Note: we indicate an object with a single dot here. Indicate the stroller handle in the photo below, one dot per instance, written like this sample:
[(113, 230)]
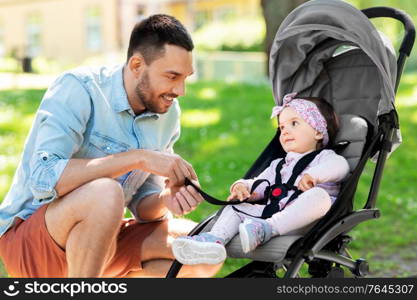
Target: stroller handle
[(389, 12)]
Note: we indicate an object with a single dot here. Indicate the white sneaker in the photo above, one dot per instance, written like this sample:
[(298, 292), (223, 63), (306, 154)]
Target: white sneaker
[(199, 249)]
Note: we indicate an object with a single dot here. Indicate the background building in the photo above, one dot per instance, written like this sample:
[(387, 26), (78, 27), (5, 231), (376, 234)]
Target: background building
[(71, 31)]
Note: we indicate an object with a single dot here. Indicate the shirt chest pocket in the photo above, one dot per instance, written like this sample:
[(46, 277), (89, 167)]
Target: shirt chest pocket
[(102, 145)]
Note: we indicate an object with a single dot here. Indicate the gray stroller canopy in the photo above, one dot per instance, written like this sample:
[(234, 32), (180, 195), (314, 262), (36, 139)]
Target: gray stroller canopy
[(303, 59)]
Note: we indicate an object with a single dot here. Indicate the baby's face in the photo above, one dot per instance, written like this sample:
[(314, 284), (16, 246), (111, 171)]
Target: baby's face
[(296, 134)]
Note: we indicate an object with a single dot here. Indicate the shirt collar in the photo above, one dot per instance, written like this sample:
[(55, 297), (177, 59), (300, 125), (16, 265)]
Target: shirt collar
[(291, 156), (149, 114), (119, 101)]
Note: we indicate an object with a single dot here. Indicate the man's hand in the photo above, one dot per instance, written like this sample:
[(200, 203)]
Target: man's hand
[(167, 165), (307, 182), (241, 192), (182, 200)]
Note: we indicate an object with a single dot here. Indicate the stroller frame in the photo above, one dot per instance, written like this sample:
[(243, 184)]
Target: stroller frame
[(325, 244)]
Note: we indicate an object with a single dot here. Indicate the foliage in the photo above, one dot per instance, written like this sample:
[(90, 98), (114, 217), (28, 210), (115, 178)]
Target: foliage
[(231, 35)]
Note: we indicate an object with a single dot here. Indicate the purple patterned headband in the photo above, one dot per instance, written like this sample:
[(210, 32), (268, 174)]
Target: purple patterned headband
[(308, 111)]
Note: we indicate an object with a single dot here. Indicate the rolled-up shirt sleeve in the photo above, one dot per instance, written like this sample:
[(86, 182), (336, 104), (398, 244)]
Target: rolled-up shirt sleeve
[(61, 121), (45, 172)]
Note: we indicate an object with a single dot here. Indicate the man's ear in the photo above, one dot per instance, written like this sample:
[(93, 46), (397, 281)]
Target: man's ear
[(135, 64)]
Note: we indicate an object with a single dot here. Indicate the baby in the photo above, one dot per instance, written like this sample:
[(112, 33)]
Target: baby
[(298, 189)]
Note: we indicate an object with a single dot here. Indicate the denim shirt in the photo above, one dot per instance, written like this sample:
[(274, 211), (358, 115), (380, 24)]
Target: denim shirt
[(86, 114)]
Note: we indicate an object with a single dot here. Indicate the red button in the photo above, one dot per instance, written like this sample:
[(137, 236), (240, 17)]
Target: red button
[(276, 192)]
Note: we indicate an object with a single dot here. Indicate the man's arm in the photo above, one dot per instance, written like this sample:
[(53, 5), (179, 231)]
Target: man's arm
[(80, 171), (61, 122)]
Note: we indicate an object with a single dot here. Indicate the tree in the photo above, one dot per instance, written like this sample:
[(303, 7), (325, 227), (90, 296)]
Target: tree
[(274, 12)]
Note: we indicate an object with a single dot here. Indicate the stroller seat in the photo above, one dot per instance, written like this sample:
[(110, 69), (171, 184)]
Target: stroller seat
[(273, 251), (354, 130)]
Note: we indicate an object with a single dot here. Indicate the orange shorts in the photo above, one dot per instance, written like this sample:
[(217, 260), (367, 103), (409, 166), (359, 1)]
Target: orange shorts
[(28, 250)]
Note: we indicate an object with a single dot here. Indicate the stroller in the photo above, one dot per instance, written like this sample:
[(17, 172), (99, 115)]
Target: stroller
[(329, 49)]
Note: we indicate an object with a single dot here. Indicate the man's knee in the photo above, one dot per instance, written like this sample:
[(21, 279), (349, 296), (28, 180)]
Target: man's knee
[(99, 204), (106, 196), (106, 187)]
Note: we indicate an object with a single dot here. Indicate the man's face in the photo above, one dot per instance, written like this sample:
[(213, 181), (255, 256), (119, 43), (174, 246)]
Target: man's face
[(164, 79)]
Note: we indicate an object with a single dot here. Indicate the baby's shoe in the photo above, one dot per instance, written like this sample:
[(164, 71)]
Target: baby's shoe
[(203, 248), (254, 232)]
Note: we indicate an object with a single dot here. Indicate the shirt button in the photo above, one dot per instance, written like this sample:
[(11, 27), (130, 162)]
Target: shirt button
[(107, 148)]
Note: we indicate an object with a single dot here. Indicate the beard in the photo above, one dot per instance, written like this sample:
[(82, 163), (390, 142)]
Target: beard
[(147, 97), (144, 92)]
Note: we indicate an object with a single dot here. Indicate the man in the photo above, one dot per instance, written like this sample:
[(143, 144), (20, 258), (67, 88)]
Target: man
[(103, 140)]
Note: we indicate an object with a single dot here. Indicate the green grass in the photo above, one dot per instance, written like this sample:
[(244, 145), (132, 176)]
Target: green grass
[(225, 127)]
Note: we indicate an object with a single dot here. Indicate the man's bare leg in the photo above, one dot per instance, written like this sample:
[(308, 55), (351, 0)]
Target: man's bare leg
[(85, 223), (157, 254)]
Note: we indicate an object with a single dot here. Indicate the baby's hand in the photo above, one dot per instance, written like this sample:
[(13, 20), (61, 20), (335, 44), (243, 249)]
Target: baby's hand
[(239, 191), (307, 182)]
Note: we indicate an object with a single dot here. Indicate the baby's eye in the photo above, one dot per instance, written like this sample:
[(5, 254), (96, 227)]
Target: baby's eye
[(293, 123)]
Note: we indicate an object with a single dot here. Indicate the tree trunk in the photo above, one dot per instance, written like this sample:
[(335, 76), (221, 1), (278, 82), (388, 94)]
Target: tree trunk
[(274, 12)]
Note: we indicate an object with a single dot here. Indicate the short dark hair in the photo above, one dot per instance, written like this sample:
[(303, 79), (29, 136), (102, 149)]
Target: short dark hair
[(327, 111), (150, 35)]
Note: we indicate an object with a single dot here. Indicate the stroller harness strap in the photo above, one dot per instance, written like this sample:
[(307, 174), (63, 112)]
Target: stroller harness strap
[(278, 191), (215, 201), (275, 192)]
